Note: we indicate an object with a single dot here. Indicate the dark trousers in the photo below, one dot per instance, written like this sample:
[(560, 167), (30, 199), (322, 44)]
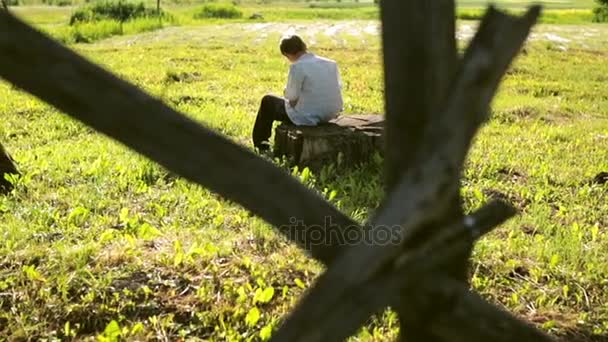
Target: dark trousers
[(272, 109)]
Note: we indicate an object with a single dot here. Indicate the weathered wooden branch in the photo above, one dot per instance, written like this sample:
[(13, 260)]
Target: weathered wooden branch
[(416, 280), (7, 167), (122, 111), (365, 299), (448, 140), (420, 61), (466, 317), (423, 194)]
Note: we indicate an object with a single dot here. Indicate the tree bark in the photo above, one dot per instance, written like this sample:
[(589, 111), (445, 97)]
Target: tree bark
[(345, 141), (7, 167)]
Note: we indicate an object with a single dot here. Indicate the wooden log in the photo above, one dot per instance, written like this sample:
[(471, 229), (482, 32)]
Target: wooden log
[(346, 140)]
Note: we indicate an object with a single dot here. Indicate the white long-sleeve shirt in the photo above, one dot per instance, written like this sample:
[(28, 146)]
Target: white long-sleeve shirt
[(314, 84)]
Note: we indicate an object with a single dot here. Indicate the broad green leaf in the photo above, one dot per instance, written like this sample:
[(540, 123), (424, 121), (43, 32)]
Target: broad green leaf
[(112, 331), (300, 283), (266, 332), (253, 316), (264, 296)]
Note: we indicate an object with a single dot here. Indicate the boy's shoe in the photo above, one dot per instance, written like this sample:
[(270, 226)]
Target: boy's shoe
[(264, 150), (263, 147)]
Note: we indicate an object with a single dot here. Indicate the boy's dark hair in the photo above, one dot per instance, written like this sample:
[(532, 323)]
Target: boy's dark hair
[(292, 45)]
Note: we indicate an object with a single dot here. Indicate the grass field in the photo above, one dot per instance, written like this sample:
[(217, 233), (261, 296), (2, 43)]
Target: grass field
[(98, 243), (551, 4), (53, 19)]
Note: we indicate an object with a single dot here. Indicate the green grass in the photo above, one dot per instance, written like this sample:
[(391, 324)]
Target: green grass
[(97, 241), (44, 15), (518, 4), (549, 16)]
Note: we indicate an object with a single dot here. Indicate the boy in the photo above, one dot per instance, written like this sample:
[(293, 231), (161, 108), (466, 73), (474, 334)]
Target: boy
[(313, 94)]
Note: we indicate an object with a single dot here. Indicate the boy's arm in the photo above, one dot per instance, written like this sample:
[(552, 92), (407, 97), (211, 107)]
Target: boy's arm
[(339, 77), (294, 84), (341, 87)]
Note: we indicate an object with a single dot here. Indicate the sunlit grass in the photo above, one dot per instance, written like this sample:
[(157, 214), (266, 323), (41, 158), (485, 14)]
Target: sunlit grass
[(97, 241)]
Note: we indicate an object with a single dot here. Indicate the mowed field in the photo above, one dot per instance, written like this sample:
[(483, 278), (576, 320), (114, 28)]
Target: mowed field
[(97, 243)]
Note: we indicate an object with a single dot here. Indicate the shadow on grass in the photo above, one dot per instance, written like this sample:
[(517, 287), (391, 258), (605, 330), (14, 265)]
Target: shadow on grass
[(582, 335)]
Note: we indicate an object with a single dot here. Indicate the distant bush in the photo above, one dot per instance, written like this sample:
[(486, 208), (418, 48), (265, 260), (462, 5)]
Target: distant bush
[(600, 12), (94, 31), (90, 32), (223, 11), (112, 10)]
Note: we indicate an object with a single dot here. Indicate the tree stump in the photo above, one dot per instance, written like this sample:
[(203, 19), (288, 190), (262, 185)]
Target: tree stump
[(346, 140)]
